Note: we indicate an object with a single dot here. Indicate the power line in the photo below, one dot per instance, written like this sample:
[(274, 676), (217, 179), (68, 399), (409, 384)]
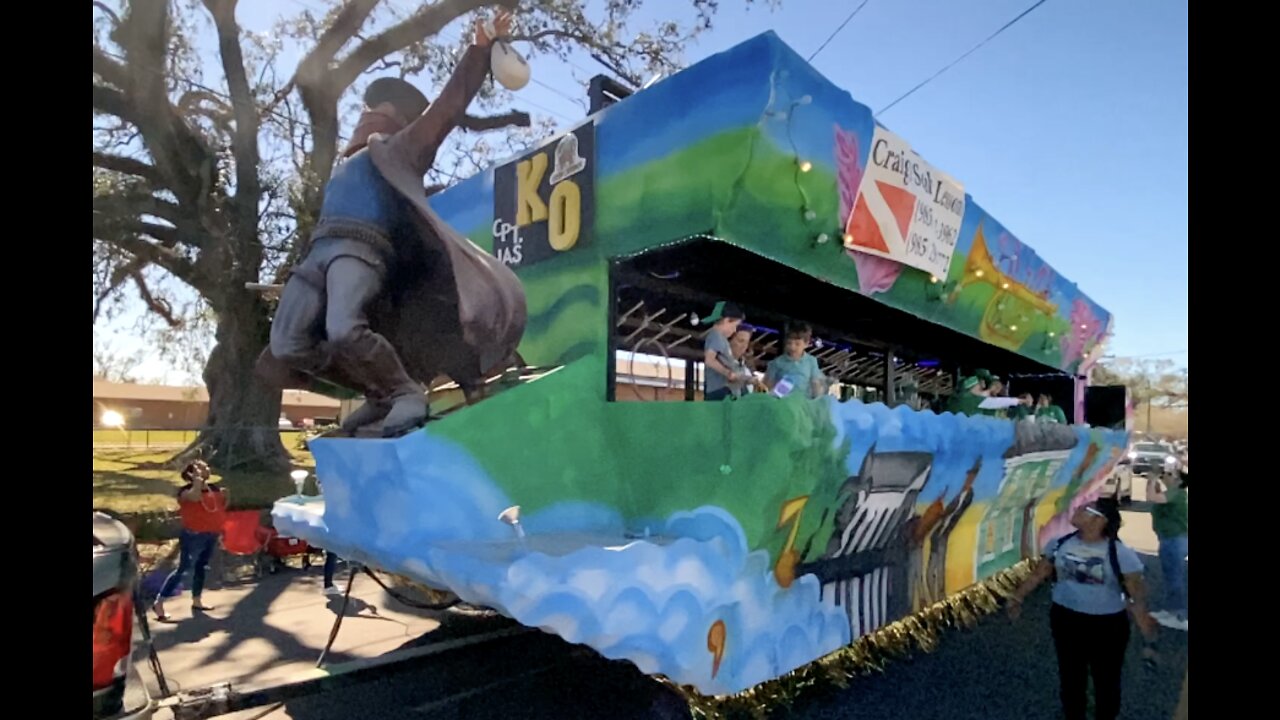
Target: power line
[(838, 29), (957, 61)]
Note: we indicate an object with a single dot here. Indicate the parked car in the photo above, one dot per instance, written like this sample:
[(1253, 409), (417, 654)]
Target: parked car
[(1151, 457), (118, 690)]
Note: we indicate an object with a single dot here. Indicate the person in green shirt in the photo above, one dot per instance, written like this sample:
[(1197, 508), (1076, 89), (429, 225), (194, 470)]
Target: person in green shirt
[(1169, 519), (1024, 408), (1046, 411), (966, 399), (995, 388)]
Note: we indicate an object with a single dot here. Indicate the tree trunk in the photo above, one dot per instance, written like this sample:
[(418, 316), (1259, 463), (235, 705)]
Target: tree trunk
[(242, 430)]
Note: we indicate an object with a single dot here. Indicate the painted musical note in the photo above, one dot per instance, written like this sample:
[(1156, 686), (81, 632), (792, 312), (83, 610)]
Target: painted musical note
[(716, 637), (784, 571)]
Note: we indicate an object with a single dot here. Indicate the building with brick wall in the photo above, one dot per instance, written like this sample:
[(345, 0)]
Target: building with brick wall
[(166, 407)]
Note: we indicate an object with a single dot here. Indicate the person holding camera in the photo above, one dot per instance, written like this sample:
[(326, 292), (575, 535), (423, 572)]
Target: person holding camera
[(202, 505)]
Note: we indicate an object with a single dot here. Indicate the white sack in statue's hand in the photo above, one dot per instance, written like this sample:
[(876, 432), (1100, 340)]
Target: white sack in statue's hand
[(509, 67)]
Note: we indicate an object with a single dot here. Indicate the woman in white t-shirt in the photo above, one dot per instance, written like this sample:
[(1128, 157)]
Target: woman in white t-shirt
[(1097, 587)]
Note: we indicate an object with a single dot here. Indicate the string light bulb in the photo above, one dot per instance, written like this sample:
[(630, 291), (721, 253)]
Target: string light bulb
[(1014, 328), (848, 239), (1004, 286), (979, 273), (934, 279), (810, 215), (805, 166), (822, 238)]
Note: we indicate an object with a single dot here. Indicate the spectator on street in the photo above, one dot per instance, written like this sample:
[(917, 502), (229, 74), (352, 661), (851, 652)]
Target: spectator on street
[(202, 506), (1097, 586), (330, 566), (1169, 518), (330, 560)]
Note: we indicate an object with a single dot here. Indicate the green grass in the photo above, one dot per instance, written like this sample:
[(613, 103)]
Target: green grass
[(134, 481)]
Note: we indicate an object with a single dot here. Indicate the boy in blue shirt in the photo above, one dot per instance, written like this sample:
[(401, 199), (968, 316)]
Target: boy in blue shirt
[(796, 365)]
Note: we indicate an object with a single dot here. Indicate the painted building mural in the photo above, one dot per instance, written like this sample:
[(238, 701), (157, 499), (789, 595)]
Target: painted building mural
[(722, 544)]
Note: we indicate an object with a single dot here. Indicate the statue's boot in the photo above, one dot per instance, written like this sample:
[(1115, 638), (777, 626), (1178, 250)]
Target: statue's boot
[(373, 364)]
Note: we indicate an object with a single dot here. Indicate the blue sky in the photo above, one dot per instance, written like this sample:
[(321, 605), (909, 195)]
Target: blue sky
[(1070, 127)]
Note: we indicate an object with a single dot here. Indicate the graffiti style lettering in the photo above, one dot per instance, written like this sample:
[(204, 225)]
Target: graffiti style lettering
[(566, 216), (529, 206), (543, 202)]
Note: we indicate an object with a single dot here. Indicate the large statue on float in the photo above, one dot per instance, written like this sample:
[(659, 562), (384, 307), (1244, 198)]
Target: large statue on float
[(388, 295)]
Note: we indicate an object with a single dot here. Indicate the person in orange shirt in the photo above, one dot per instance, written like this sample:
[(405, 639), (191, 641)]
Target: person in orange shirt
[(203, 508)]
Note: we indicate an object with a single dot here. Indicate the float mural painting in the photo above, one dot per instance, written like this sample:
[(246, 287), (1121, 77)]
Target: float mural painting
[(803, 526), (719, 544), (780, 163)]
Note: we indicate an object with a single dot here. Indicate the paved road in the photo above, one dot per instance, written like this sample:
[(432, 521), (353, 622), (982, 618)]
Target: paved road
[(998, 670)]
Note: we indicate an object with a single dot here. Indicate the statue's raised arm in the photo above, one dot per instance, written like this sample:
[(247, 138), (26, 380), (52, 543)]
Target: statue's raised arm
[(419, 142)]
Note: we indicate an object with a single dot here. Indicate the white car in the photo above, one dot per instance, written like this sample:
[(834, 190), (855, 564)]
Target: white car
[(1120, 484)]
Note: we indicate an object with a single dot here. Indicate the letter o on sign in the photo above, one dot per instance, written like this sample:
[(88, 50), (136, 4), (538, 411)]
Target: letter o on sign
[(565, 223)]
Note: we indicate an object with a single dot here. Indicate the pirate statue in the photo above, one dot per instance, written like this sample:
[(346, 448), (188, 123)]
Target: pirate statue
[(389, 295)]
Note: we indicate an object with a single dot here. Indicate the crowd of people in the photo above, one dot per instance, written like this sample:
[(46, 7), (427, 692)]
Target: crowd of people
[(729, 373)]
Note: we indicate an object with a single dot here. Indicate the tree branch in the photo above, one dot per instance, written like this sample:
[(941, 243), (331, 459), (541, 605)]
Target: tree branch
[(244, 141), (127, 166), (115, 19), (156, 305), (564, 34), (152, 253), (494, 122), (117, 278), (113, 102), (314, 67), (130, 208), (426, 22), (178, 153), (108, 69)]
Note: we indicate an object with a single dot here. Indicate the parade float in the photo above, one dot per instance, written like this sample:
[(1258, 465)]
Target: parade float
[(767, 540)]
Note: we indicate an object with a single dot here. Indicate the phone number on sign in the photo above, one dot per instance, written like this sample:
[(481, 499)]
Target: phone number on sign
[(920, 246)]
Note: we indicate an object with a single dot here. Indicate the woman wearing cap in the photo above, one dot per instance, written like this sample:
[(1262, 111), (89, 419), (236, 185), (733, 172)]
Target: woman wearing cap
[(1097, 587)]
